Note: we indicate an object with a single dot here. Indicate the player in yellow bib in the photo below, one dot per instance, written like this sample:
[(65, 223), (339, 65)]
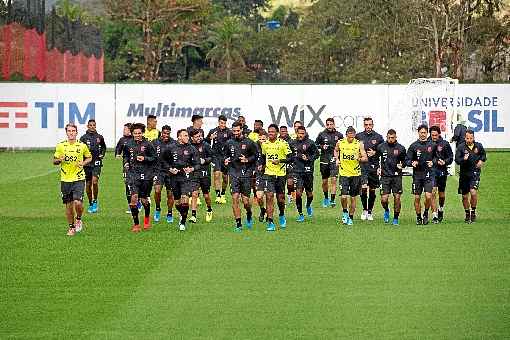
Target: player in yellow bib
[(72, 155), (276, 153), (349, 152), (151, 132)]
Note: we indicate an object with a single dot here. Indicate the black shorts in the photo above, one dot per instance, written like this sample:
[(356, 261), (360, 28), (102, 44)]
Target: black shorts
[(350, 186), (260, 183), (440, 178), (422, 185), (202, 183), (466, 183), (218, 164), (391, 184), (370, 178), (240, 185), (72, 191), (92, 171), (140, 187), (159, 177), (182, 186), (328, 170), (275, 184), (303, 181)]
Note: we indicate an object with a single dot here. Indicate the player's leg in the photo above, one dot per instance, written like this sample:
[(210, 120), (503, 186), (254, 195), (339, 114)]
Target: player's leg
[(433, 204), (270, 210), (245, 195), (217, 175), (158, 188), (88, 188), (440, 209), (205, 186), (332, 189), (194, 205), (290, 188), (428, 200), (145, 193), (417, 191), (298, 184), (345, 199), (280, 197), (95, 187), (134, 207), (474, 202), (235, 208), (364, 194), (184, 209), (373, 184), (324, 169), (308, 186), (224, 185), (385, 193), (354, 191), (397, 206), (78, 188)]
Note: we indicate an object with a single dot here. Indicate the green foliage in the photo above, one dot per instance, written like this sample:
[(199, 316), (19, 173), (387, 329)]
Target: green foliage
[(244, 8), (74, 12)]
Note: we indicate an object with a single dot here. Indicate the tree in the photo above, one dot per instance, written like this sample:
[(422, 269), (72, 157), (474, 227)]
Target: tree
[(226, 39), (72, 12), (243, 8)]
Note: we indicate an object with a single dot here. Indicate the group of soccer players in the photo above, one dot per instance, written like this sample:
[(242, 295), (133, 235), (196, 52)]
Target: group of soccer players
[(266, 162)]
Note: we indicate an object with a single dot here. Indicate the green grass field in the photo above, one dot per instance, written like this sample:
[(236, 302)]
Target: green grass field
[(315, 280)]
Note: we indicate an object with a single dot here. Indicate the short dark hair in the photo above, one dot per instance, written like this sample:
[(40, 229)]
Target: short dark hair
[(166, 127), (259, 121), (330, 119), (241, 116), (72, 125), (423, 126), (299, 128), (367, 118), (151, 117), (350, 129), (128, 125), (136, 126), (237, 124), (195, 117), (297, 122), (471, 132), (284, 127), (223, 118), (435, 128), (194, 132), (274, 126), (91, 121), (392, 132), (180, 131)]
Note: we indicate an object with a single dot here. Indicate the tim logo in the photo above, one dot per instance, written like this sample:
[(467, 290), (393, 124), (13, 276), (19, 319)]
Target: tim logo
[(16, 110)]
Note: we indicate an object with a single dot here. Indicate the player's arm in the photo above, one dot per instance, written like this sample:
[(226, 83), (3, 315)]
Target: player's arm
[(402, 158), (410, 156), (207, 154), (103, 148), (482, 156), (288, 154), (449, 154), (195, 159), (252, 158), (150, 154), (87, 156), (459, 155), (362, 152), (58, 156), (336, 153), (314, 152)]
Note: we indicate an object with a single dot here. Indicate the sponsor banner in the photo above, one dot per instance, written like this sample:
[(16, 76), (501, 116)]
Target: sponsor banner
[(34, 115), (174, 105)]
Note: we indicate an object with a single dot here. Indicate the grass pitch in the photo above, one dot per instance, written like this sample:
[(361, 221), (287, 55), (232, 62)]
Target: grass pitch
[(314, 280)]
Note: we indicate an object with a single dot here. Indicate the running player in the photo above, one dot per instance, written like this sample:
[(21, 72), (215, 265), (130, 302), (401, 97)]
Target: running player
[(276, 154), (72, 156), (349, 153), (244, 128), (151, 132), (119, 154), (217, 138), (182, 159), (284, 135), (160, 173), (201, 177), (196, 124), (420, 156), (97, 147), (257, 126), (296, 124), (326, 142), (139, 155), (443, 157), (240, 158), (370, 179), (304, 154), (471, 157), (392, 160)]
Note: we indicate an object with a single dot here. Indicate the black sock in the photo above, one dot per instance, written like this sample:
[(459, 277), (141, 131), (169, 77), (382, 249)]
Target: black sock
[(281, 207), (345, 211), (326, 195), (269, 220), (223, 192), (396, 214), (90, 202), (262, 211), (385, 206), (473, 209), (209, 209), (169, 213), (426, 212), (184, 212), (147, 209), (71, 225), (467, 211), (128, 194), (309, 200), (134, 213), (371, 200), (158, 206), (248, 214), (351, 216), (194, 213), (78, 218), (238, 222), (333, 196), (299, 204), (217, 193), (418, 215), (364, 199), (94, 201)]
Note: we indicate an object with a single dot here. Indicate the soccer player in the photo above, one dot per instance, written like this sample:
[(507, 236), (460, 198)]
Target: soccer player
[(240, 158), (284, 135), (196, 124), (471, 157), (139, 155), (349, 153), (217, 138), (276, 154), (72, 156), (326, 142), (420, 156), (392, 157), (119, 154), (151, 132), (244, 128), (443, 157), (161, 172), (304, 154), (369, 179), (182, 159), (97, 147), (260, 184), (202, 177), (257, 126), (296, 124)]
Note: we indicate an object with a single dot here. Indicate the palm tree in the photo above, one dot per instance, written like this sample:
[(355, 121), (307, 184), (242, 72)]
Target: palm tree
[(226, 39)]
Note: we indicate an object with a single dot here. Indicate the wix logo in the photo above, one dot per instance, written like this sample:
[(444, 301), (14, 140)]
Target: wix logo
[(291, 115)]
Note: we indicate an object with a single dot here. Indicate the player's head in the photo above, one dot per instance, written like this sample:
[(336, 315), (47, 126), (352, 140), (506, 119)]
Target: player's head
[(71, 131), (258, 124), (165, 133), (91, 125), (237, 130), (272, 132), (182, 136), (152, 122), (301, 133), (469, 137), (137, 131), (242, 120), (435, 133), (391, 136), (350, 133), (127, 130), (423, 132), (330, 124), (196, 136), (197, 121), (297, 123), (262, 135), (284, 132), (368, 124), (222, 122)]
